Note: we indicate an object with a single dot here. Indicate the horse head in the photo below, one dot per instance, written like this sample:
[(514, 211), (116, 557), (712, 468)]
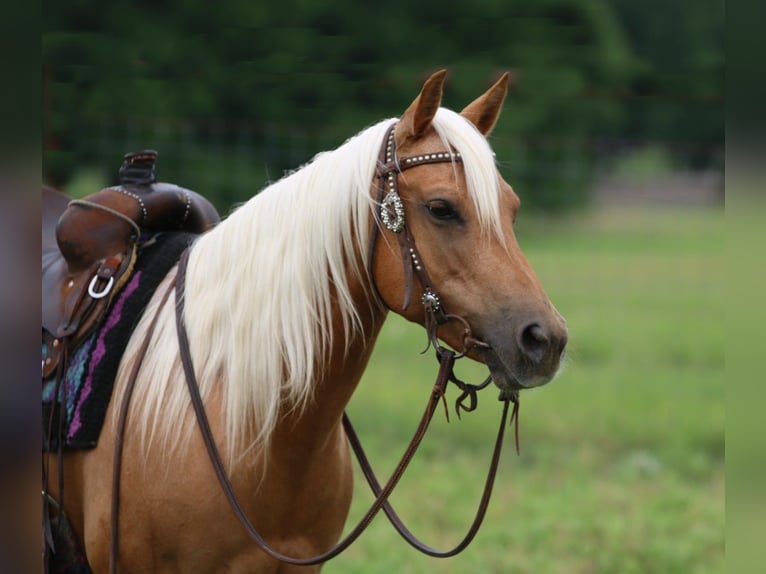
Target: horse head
[(460, 214)]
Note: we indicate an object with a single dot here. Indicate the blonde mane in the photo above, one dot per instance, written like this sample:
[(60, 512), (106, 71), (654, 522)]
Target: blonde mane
[(262, 288)]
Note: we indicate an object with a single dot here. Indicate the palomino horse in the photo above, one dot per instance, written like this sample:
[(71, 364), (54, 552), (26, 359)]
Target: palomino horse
[(283, 302)]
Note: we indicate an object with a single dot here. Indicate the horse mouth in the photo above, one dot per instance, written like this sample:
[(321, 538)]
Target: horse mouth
[(504, 376)]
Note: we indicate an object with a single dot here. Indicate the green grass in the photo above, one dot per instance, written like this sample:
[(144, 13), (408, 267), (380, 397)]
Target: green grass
[(622, 456)]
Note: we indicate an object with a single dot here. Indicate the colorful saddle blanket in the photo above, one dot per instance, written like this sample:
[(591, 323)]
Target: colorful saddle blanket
[(83, 394)]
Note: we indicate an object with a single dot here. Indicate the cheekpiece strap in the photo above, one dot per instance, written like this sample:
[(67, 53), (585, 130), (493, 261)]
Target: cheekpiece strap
[(393, 218)]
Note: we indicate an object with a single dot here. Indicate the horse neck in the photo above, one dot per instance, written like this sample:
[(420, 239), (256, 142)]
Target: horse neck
[(338, 379)]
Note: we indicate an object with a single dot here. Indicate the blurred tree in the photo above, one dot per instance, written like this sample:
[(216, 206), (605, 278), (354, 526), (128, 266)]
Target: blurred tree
[(678, 88), (327, 70)]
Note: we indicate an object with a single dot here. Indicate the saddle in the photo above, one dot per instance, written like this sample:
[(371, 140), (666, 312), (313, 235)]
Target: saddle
[(89, 246)]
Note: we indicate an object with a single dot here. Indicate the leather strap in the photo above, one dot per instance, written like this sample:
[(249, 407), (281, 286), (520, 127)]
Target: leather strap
[(393, 517), (387, 172)]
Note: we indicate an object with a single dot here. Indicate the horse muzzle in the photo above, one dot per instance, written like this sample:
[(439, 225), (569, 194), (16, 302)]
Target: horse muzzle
[(529, 356)]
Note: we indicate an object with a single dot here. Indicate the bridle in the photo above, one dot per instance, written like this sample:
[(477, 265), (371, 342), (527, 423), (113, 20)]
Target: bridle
[(392, 217)]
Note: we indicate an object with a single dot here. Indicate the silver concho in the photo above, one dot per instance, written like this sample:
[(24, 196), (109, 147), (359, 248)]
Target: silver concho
[(392, 212), (431, 301)]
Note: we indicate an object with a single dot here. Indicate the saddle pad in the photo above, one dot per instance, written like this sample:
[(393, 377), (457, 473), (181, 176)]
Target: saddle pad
[(86, 388)]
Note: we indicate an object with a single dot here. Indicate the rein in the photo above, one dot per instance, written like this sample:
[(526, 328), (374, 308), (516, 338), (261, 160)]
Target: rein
[(392, 216)]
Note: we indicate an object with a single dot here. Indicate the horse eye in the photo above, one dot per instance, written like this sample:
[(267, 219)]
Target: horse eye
[(441, 209)]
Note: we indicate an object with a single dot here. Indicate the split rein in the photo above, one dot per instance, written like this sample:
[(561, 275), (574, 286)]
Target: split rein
[(392, 215)]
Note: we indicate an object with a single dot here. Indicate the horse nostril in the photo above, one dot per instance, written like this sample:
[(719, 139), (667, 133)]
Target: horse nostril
[(534, 342)]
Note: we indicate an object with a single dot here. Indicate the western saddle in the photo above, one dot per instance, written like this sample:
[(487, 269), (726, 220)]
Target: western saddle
[(89, 246)]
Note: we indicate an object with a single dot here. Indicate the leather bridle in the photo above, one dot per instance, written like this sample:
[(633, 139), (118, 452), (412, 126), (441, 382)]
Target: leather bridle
[(392, 217)]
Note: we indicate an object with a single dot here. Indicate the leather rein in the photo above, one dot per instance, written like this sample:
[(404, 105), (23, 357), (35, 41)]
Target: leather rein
[(392, 216)]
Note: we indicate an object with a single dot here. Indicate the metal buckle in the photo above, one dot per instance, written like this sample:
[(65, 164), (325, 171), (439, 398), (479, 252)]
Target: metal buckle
[(104, 292)]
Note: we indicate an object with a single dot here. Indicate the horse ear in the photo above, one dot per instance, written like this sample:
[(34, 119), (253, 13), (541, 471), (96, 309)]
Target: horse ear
[(418, 116), (484, 110)]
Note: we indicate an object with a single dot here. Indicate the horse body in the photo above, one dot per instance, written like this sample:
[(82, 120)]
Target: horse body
[(252, 293)]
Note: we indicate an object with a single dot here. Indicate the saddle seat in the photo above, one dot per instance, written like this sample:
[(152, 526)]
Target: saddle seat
[(89, 246)]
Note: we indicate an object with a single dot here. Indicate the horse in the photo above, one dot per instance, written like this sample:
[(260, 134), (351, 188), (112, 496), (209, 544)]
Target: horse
[(283, 301)]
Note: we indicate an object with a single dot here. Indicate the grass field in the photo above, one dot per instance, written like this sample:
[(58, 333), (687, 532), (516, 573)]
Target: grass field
[(622, 457)]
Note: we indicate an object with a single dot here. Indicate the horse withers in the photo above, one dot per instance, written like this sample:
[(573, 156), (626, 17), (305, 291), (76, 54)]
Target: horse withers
[(283, 301)]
